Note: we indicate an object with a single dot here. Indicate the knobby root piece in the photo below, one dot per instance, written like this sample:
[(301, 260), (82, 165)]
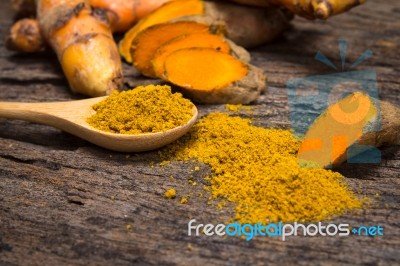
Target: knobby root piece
[(311, 9), (83, 43), (123, 14), (239, 22), (204, 40), (25, 36), (150, 39), (166, 12), (389, 133), (357, 121), (210, 76)]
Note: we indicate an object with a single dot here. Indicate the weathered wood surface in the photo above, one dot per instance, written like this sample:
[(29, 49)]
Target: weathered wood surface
[(57, 192)]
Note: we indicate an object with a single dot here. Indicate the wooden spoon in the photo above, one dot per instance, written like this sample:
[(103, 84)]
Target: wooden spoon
[(71, 117)]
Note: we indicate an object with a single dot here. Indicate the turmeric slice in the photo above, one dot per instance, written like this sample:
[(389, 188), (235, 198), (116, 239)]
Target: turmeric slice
[(166, 12), (311, 9), (205, 40), (210, 76), (237, 21), (123, 14), (83, 43), (203, 69), (149, 40)]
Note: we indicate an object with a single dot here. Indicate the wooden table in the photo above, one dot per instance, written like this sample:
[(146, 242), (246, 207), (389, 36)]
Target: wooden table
[(66, 201)]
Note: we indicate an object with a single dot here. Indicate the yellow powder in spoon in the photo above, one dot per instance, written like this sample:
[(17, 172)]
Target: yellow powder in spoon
[(146, 109)]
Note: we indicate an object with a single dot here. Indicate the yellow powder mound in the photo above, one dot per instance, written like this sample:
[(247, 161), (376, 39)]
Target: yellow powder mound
[(257, 169), (170, 193), (238, 107), (141, 110)]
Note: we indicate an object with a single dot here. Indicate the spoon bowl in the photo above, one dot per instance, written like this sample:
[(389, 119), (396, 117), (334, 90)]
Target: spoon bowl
[(71, 117)]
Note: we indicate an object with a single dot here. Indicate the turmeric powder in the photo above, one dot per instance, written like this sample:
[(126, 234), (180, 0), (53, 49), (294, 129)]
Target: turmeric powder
[(170, 193), (257, 170), (141, 110), (239, 107)]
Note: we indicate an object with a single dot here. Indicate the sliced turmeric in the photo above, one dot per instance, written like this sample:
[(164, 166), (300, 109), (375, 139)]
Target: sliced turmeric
[(310, 9), (166, 12), (149, 40), (205, 40), (83, 43), (123, 14), (210, 76), (244, 25)]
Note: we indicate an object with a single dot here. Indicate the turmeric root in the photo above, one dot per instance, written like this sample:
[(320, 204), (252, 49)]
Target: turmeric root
[(166, 12), (204, 40), (354, 120), (83, 43), (123, 14), (25, 36), (311, 9), (239, 21), (149, 40), (271, 22), (210, 76)]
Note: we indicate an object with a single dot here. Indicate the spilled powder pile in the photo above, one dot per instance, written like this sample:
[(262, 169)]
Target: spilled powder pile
[(238, 107), (170, 193), (257, 170), (141, 110)]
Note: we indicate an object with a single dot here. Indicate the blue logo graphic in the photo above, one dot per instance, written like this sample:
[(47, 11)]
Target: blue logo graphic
[(309, 97)]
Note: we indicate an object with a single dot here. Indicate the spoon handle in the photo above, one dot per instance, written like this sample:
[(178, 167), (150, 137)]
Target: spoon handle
[(43, 113), (50, 113)]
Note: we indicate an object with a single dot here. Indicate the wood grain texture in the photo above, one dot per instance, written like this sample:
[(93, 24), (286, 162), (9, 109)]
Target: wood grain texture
[(64, 201)]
